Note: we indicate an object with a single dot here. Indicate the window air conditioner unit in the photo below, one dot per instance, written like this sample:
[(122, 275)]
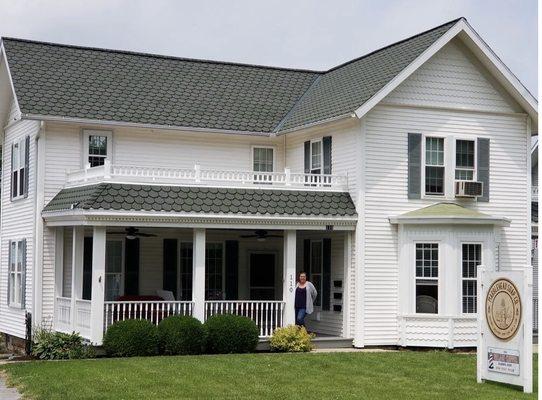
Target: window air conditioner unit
[(468, 188)]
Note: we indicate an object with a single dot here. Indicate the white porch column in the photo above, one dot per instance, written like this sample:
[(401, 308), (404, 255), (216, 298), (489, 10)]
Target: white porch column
[(78, 238), (198, 274), (289, 279), (59, 261), (98, 285)]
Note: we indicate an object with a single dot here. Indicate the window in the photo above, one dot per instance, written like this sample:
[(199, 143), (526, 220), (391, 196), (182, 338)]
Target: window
[(316, 268), (470, 259), (316, 157), (434, 166), (262, 160), (214, 275), (427, 261), (186, 271), (19, 165), (17, 272), (97, 147), (464, 160), (113, 270)]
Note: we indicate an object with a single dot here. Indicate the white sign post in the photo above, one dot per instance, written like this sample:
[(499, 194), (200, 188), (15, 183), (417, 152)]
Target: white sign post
[(505, 336)]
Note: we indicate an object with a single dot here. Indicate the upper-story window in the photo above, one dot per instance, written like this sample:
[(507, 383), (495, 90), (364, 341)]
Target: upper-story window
[(316, 157), (262, 159), (19, 168), (97, 147), (434, 166), (465, 160)]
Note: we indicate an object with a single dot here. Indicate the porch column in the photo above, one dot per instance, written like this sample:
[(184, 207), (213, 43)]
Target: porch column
[(198, 274), (98, 285), (78, 240), (59, 261), (289, 281)]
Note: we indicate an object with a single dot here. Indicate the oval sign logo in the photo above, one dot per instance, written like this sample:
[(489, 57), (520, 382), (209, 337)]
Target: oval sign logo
[(503, 309)]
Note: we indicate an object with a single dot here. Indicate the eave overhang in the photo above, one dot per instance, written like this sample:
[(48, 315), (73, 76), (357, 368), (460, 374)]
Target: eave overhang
[(449, 220)]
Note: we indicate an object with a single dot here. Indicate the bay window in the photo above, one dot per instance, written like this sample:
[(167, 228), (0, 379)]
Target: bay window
[(427, 266), (471, 257)]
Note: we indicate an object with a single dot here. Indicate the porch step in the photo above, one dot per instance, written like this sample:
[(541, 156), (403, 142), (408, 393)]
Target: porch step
[(320, 342)]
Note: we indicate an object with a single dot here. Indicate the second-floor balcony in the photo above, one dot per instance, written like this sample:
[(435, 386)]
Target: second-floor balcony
[(198, 176)]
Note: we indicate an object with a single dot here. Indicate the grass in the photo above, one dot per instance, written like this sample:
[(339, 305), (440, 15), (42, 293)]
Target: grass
[(389, 375)]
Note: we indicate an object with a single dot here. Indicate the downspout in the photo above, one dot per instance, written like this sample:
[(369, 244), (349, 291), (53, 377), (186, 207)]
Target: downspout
[(37, 300)]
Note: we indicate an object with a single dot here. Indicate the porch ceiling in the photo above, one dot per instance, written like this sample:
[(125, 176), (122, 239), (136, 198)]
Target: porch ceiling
[(125, 199)]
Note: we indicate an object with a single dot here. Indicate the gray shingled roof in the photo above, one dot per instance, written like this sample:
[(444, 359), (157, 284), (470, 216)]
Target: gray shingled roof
[(206, 200), (108, 85)]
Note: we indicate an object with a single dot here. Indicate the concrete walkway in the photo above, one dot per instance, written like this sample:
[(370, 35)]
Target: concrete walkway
[(7, 393)]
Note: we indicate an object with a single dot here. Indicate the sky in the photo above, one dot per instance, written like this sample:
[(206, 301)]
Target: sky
[(307, 34)]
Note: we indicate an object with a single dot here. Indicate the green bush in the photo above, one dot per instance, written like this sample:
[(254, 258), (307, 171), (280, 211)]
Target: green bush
[(291, 338), (132, 337), (231, 334), (181, 335), (50, 345)]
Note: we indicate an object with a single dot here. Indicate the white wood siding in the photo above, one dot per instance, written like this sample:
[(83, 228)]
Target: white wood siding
[(17, 222)]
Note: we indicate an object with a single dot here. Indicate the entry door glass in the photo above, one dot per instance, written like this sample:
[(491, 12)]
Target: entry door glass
[(262, 276), (113, 270)]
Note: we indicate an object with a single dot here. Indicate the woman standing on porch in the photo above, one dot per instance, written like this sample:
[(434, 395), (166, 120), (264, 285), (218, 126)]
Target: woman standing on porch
[(305, 294)]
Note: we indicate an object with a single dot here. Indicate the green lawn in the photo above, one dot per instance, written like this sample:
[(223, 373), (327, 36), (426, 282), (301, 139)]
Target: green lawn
[(390, 375)]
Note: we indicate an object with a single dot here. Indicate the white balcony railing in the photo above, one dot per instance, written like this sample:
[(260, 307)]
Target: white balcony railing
[(205, 176)]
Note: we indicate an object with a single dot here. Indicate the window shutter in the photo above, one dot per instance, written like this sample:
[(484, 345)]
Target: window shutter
[(307, 147), (87, 268), (307, 257), (326, 144), (414, 165), (23, 277), (483, 167), (326, 273), (26, 165), (9, 269), (232, 269), (131, 280), (13, 182), (169, 275)]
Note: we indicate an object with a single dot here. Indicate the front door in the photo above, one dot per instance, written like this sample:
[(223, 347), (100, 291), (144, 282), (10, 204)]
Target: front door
[(262, 276)]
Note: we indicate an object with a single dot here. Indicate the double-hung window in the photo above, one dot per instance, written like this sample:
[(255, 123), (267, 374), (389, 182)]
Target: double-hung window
[(17, 272), (465, 160), (434, 166), (316, 267), (316, 157), (471, 257), (427, 265), (114, 276), (262, 161), (97, 147), (19, 166), (186, 271)]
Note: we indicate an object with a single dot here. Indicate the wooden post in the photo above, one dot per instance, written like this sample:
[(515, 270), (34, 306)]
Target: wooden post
[(59, 262), (98, 285), (77, 270), (198, 274), (289, 278)]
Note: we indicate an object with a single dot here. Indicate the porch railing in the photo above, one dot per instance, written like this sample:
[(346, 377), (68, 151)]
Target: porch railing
[(82, 317), (154, 311), (266, 314), (63, 308), (205, 176)]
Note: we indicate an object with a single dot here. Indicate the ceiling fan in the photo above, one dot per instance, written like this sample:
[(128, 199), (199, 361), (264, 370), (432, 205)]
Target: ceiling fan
[(132, 233), (261, 235)]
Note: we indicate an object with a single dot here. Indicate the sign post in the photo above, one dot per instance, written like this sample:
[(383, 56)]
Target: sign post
[(505, 336)]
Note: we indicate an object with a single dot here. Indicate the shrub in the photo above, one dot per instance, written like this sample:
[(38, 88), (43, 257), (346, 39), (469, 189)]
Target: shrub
[(50, 345), (231, 334), (291, 338), (181, 335), (132, 337)]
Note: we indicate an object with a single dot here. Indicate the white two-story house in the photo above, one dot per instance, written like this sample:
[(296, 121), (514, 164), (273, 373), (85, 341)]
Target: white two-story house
[(141, 186)]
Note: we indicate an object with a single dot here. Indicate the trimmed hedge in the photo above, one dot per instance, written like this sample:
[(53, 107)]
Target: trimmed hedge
[(231, 334), (132, 337), (291, 338), (181, 335)]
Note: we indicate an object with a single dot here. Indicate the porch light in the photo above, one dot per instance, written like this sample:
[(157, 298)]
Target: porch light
[(130, 237)]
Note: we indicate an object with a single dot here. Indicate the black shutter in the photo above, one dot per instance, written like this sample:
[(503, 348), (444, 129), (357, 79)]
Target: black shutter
[(87, 269), (131, 281), (9, 271), (307, 148), (232, 269), (13, 181), (483, 167), (326, 273), (326, 144), (307, 257), (170, 255), (414, 165), (23, 277), (26, 164)]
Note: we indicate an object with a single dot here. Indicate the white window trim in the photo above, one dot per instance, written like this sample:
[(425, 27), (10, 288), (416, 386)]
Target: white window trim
[(21, 143), (438, 279), (94, 132), (460, 251), (445, 166), (472, 139), (321, 273), (321, 168), (14, 289), (253, 147), (122, 265)]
